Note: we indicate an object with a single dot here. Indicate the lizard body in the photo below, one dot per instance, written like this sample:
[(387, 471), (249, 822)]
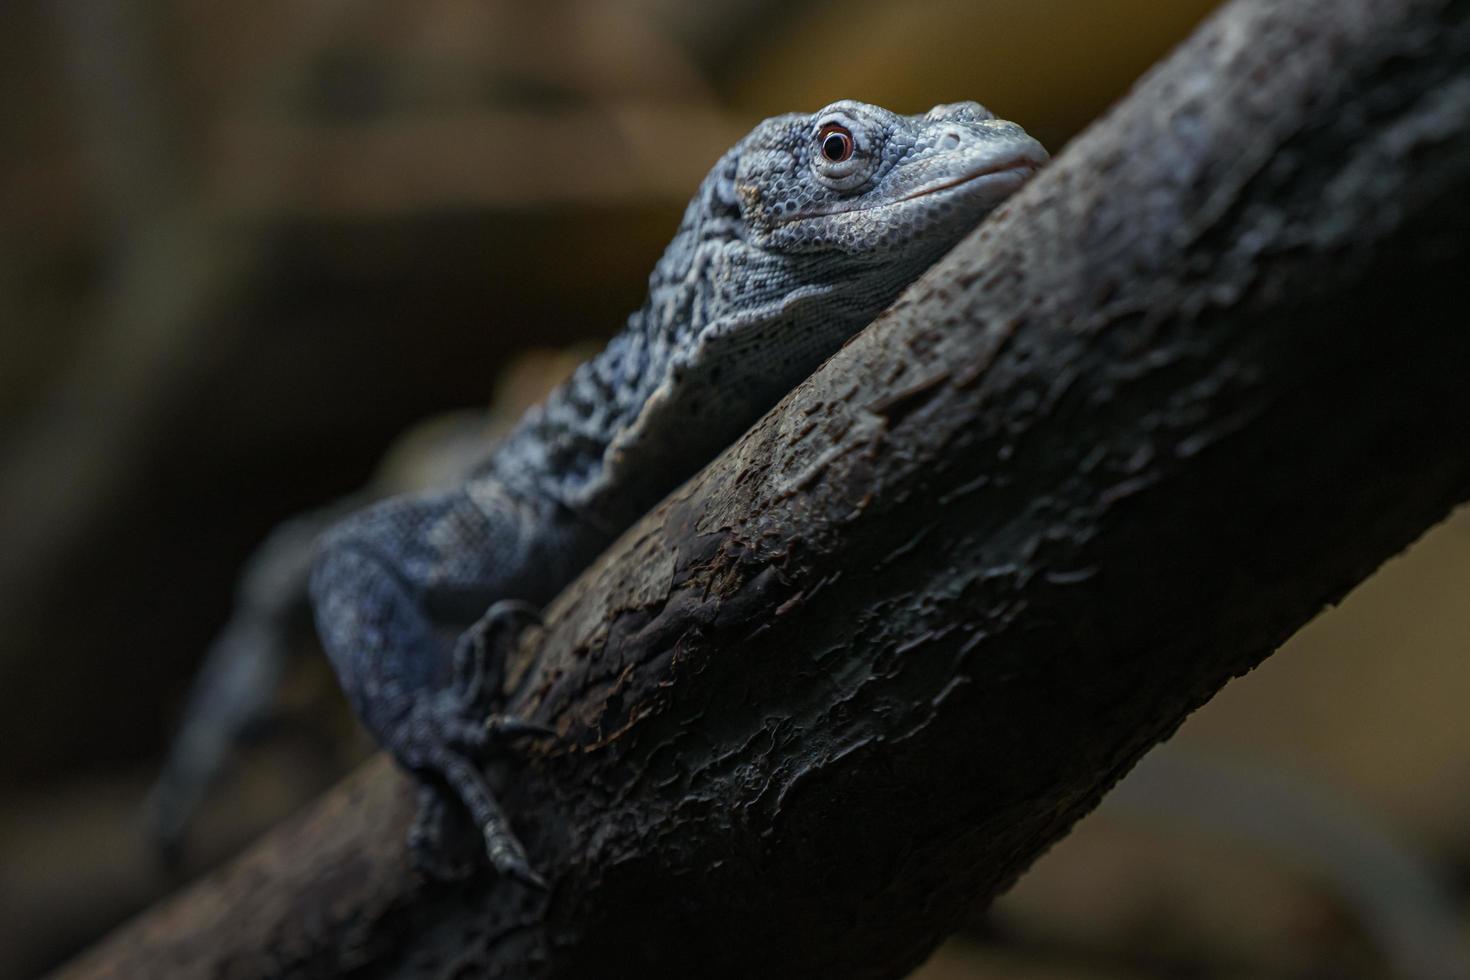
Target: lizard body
[(802, 233)]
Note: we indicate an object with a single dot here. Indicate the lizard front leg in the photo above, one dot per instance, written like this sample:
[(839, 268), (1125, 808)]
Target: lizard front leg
[(391, 586)]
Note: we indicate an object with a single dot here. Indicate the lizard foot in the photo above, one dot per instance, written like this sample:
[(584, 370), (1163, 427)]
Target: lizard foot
[(447, 733)]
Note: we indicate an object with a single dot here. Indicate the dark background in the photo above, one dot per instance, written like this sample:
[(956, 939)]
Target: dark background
[(244, 247)]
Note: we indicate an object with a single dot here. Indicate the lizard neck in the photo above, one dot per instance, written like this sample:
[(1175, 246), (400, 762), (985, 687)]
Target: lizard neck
[(560, 448)]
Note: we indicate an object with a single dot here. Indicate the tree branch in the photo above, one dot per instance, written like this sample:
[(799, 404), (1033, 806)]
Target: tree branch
[(1197, 381)]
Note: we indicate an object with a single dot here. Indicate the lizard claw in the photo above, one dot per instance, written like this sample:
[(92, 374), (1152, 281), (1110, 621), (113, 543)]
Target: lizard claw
[(480, 653), (511, 862)]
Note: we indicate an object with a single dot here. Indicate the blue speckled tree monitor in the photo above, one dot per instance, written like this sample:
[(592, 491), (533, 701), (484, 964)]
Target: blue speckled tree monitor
[(801, 234)]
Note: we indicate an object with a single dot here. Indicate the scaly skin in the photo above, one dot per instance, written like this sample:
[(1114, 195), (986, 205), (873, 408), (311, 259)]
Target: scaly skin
[(802, 233)]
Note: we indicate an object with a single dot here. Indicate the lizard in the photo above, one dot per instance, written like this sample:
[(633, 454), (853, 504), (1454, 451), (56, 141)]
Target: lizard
[(800, 234)]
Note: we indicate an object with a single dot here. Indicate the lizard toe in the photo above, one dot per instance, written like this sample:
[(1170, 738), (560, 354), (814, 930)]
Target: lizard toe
[(501, 845), (480, 652)]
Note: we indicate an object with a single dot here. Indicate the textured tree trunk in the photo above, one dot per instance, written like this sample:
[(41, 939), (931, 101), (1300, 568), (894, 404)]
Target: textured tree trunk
[(1197, 381)]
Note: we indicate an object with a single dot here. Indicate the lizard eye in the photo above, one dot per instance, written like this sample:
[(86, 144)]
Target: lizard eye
[(842, 154), (836, 142)]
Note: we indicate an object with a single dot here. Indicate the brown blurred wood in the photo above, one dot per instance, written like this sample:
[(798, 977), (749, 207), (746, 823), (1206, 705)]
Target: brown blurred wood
[(1198, 380), (498, 160)]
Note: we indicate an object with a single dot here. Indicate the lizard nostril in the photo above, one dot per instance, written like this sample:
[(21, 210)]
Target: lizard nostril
[(950, 140)]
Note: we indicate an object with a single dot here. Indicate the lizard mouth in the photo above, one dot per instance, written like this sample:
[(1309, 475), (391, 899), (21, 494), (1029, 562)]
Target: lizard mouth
[(1019, 169), (1008, 172)]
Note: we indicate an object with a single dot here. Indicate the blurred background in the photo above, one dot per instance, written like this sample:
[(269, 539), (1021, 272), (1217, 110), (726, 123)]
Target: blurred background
[(245, 248)]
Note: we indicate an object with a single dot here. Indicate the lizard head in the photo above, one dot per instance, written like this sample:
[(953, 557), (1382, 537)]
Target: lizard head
[(858, 179)]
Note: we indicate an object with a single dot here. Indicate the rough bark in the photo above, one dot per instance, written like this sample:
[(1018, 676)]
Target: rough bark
[(1196, 382)]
